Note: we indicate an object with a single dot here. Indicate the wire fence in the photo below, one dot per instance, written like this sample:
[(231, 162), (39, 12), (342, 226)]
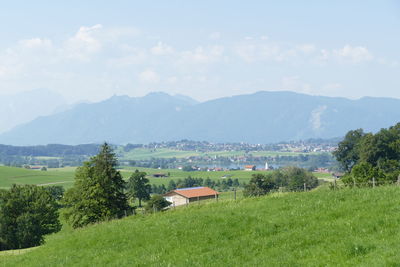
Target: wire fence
[(338, 184)]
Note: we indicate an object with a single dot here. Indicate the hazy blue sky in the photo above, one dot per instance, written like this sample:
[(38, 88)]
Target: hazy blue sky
[(204, 49)]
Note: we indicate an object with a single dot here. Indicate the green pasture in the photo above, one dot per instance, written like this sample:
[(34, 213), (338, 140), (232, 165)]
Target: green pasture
[(65, 176), (350, 227), (10, 175)]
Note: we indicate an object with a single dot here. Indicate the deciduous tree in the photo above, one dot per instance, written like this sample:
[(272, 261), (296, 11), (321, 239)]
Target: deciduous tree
[(27, 213), (139, 187)]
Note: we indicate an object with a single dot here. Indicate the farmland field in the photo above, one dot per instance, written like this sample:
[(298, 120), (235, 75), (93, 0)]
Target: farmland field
[(9, 176), (65, 176), (352, 227)]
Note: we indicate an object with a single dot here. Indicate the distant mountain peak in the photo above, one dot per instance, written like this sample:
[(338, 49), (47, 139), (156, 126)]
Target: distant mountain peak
[(262, 117)]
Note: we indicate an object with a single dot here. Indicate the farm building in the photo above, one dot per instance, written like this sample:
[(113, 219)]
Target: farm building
[(250, 167), (184, 196), (159, 175)]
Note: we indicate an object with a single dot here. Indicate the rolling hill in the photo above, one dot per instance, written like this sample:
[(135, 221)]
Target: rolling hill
[(330, 228), (263, 117)]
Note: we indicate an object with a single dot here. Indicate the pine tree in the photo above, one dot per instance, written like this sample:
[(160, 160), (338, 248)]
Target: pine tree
[(98, 192)]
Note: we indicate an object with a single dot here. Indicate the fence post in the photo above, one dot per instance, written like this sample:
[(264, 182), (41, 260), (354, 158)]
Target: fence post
[(305, 187), (373, 181), (334, 183), (154, 209), (398, 180)]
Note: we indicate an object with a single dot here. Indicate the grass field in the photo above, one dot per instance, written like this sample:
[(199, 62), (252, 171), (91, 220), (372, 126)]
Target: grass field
[(65, 176), (354, 227), (9, 176)]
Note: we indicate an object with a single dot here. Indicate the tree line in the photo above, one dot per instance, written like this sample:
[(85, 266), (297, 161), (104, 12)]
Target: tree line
[(370, 159), (286, 179)]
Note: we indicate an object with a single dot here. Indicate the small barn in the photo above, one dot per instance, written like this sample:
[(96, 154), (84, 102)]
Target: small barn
[(159, 175), (182, 196), (250, 167)]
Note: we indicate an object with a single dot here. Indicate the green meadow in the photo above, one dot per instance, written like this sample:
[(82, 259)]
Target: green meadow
[(351, 227), (65, 176), (10, 175)]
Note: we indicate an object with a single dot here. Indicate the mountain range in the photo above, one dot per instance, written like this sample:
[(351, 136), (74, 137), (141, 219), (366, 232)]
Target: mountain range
[(262, 117), (23, 107)]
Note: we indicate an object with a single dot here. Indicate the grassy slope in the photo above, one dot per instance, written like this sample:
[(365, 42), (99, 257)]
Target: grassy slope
[(349, 227)]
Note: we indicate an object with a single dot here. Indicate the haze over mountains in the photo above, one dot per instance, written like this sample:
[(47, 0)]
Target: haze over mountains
[(26, 106), (263, 117)]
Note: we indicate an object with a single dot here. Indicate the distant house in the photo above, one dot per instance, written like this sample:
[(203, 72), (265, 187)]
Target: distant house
[(35, 167), (182, 196), (159, 175), (337, 175), (321, 170), (250, 167)]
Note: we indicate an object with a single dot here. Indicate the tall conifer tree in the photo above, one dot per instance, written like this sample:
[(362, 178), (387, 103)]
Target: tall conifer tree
[(98, 192)]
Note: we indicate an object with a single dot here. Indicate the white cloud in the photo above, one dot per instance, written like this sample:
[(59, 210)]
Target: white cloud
[(149, 76), (259, 52), (161, 49), (203, 55), (36, 43), (306, 48), (354, 54), (350, 54), (84, 42), (324, 55)]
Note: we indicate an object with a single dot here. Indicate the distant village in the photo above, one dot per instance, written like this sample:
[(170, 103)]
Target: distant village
[(306, 146), (310, 154)]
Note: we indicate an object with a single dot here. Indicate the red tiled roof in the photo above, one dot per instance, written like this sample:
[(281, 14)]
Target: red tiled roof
[(249, 166), (194, 192)]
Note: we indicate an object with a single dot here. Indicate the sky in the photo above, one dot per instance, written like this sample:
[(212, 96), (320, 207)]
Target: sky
[(91, 50)]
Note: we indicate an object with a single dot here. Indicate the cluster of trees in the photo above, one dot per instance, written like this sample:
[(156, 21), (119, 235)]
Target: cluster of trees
[(17, 156), (27, 213), (287, 179), (99, 192), (370, 159), (52, 150)]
